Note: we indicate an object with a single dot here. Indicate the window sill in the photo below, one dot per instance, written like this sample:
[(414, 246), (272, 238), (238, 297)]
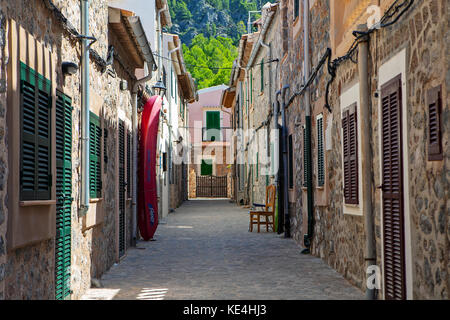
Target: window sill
[(31, 203), (320, 187), (95, 200)]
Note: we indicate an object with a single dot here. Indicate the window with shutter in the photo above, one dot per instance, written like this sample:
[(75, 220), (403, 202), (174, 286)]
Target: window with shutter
[(305, 166), (320, 153), (296, 8), (35, 135), (95, 171), (350, 154), (105, 147), (392, 191), (291, 162), (434, 102), (129, 151), (262, 75), (213, 125), (121, 188), (63, 195)]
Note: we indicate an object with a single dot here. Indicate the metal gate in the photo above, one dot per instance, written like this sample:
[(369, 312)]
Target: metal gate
[(211, 186)]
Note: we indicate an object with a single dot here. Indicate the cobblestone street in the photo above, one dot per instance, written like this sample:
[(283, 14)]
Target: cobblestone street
[(205, 251)]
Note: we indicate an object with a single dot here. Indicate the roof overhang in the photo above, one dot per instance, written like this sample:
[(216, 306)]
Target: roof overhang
[(228, 96), (128, 28), (187, 86)]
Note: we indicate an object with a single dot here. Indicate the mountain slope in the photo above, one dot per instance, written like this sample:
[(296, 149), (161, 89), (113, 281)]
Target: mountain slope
[(210, 31), (212, 18)]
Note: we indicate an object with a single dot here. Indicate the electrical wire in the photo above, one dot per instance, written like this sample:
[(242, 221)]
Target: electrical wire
[(333, 65), (206, 67)]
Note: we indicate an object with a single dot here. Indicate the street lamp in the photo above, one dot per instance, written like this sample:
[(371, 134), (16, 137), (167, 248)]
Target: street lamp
[(159, 88)]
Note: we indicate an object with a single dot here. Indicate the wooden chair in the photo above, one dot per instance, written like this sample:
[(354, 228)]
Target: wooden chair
[(269, 211)]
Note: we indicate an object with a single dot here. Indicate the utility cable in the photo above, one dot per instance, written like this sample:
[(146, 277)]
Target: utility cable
[(206, 67), (333, 65)]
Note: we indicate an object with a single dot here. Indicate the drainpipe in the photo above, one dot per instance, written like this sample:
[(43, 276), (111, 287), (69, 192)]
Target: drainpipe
[(269, 46), (84, 205), (366, 154), (276, 131), (170, 123), (284, 177), (159, 32), (134, 123), (309, 182)]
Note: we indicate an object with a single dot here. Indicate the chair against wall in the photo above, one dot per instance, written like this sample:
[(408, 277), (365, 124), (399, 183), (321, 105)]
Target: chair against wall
[(269, 211)]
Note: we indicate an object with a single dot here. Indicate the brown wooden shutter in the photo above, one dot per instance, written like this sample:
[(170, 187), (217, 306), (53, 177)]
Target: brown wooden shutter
[(350, 152), (434, 124), (392, 187)]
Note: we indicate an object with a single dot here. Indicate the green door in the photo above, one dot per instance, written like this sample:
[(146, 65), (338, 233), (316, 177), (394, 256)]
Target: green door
[(63, 195), (213, 125), (206, 167)]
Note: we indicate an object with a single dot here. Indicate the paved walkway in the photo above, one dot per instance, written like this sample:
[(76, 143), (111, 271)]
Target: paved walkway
[(206, 252)]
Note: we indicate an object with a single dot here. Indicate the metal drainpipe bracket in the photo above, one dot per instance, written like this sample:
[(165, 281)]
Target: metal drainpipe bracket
[(84, 37)]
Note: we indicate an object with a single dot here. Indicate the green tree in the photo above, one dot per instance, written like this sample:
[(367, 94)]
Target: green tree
[(209, 60)]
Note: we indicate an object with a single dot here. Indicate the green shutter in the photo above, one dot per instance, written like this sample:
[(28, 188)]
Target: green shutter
[(257, 165), (95, 171), (262, 75), (35, 134), (320, 154), (206, 167), (213, 125), (63, 195), (251, 87)]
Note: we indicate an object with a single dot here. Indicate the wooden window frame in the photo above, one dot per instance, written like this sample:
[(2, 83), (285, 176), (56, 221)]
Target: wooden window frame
[(350, 196), (435, 125), (291, 162), (95, 193), (262, 75), (320, 151), (41, 84)]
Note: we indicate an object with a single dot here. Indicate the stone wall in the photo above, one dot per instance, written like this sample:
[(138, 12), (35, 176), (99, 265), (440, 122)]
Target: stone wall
[(3, 150), (340, 238), (28, 272)]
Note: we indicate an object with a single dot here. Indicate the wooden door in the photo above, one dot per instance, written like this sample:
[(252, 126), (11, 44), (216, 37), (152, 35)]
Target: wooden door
[(392, 191)]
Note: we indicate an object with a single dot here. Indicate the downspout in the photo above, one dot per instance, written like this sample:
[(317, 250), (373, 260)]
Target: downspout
[(84, 205), (309, 182), (287, 224), (134, 124), (159, 31), (269, 46), (170, 123), (366, 154)]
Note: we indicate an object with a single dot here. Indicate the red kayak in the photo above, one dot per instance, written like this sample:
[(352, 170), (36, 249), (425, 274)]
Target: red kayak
[(148, 200)]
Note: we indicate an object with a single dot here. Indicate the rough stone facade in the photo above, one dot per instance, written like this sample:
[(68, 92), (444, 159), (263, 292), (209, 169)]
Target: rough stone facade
[(28, 272), (340, 238), (3, 150), (339, 235)]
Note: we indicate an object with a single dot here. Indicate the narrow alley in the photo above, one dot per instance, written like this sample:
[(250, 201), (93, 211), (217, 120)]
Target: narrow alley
[(205, 251)]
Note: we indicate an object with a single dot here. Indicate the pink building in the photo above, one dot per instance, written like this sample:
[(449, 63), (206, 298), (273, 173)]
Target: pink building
[(210, 136)]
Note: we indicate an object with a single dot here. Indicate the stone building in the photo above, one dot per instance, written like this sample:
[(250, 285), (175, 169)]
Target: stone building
[(374, 192), (251, 96), (49, 247)]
